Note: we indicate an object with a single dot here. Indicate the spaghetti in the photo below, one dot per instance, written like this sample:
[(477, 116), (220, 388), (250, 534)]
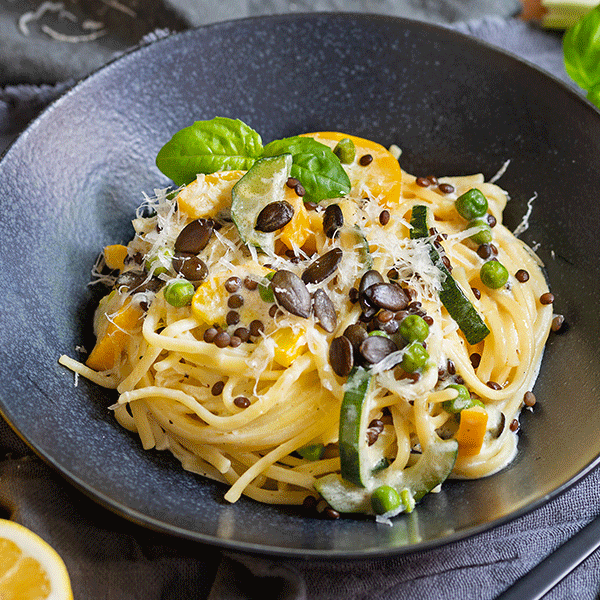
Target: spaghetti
[(244, 388)]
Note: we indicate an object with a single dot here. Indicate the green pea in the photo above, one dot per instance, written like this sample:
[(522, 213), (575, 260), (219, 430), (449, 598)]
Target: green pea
[(312, 451), (484, 235), (415, 357), (414, 328), (471, 204), (179, 292), (379, 333), (160, 261), (384, 499), (462, 401), (493, 274), (345, 150)]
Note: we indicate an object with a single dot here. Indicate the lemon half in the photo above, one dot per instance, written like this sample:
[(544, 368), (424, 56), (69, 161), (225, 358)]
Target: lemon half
[(30, 569)]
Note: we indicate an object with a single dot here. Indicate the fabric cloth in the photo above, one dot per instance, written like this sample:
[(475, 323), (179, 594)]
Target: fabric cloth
[(110, 558)]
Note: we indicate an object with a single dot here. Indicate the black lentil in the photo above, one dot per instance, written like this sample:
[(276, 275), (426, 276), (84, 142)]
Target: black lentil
[(217, 389), (233, 284), (446, 188), (242, 402), (232, 318), (475, 359), (222, 339), (547, 298), (514, 426), (365, 159), (250, 284), (256, 327), (476, 293), (522, 276), (210, 334), (384, 217), (557, 323), (484, 251), (529, 399), (331, 513), (493, 385), (235, 301), (242, 333)]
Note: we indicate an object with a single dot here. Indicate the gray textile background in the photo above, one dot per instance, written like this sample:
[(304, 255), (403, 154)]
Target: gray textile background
[(111, 559)]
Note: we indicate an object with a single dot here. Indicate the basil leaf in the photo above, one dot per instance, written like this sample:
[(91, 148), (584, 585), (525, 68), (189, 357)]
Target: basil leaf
[(220, 144), (314, 165), (581, 50)]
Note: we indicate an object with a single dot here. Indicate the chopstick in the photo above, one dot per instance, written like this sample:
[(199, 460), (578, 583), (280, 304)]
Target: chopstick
[(556, 566)]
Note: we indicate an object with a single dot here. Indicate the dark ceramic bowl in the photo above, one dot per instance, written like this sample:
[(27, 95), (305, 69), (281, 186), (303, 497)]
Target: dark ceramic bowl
[(71, 182)]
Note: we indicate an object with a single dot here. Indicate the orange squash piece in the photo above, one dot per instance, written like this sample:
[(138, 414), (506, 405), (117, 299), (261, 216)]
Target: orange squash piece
[(115, 255), (108, 348), (471, 430), (381, 178)]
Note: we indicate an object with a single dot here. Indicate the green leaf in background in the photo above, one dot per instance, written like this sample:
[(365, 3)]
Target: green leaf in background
[(581, 50), (593, 95), (220, 144), (314, 165)]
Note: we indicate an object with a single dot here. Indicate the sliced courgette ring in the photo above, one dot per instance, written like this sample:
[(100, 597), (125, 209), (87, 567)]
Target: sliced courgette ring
[(261, 185), (457, 304), (431, 469)]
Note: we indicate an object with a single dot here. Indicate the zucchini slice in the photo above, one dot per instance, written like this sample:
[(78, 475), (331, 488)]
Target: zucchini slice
[(459, 307), (261, 185), (431, 469), (354, 414)]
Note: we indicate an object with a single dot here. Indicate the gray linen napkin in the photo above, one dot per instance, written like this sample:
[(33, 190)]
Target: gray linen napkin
[(109, 558)]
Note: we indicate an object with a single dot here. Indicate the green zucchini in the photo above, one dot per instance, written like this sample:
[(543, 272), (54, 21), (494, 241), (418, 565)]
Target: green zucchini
[(459, 307), (431, 469), (261, 185), (354, 414)]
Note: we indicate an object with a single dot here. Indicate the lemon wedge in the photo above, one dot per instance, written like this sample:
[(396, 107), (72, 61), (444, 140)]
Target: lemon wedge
[(30, 569)]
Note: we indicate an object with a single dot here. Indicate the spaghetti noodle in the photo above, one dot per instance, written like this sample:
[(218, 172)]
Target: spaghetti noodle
[(244, 388)]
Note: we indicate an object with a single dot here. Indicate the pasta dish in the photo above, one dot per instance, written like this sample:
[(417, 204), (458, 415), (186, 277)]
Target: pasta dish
[(354, 346)]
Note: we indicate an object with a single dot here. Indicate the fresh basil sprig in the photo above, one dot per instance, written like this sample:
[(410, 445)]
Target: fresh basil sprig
[(315, 165), (581, 52), (228, 144), (209, 146)]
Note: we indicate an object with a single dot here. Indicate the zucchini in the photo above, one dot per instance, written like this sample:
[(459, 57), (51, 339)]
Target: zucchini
[(261, 185), (354, 414), (362, 471), (459, 307), (432, 469)]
